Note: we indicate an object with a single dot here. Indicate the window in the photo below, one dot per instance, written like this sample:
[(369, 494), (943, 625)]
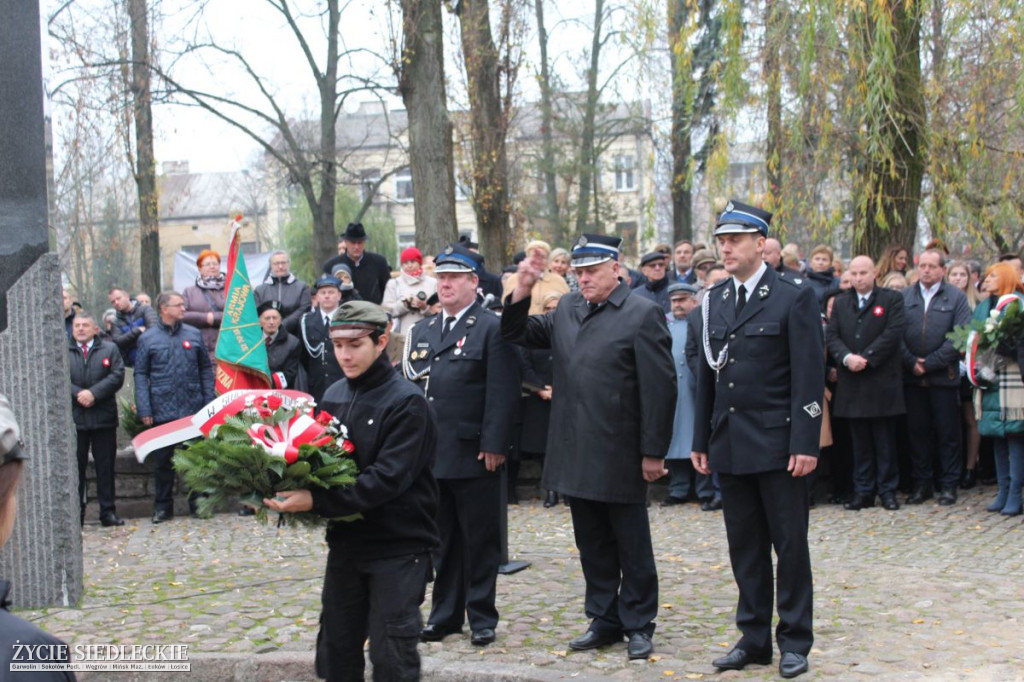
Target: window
[(195, 248), (368, 180), (624, 176), (403, 184), (249, 248)]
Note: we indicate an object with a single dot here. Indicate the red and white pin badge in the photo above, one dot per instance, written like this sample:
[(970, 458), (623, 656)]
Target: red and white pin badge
[(186, 345), (878, 311), (459, 344), (106, 362)]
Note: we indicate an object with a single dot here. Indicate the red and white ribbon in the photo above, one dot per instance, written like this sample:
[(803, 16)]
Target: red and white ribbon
[(971, 356), (212, 414)]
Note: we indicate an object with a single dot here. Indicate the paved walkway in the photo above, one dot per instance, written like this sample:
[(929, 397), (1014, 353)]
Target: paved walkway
[(923, 593)]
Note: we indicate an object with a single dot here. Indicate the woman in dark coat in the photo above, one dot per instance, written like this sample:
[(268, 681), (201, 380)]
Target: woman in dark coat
[(536, 368), (204, 301)]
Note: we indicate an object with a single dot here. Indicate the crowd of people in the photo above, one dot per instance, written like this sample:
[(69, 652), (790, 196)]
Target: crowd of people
[(843, 374)]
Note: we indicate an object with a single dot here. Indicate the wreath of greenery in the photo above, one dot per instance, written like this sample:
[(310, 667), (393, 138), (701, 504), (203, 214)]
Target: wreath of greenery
[(229, 467)]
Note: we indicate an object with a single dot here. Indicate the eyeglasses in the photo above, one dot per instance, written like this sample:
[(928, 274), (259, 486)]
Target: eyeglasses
[(657, 264), (704, 267), (174, 305)]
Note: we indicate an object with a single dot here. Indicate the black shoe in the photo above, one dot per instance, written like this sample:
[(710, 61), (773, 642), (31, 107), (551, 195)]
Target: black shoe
[(639, 646), (550, 499), (947, 497), (672, 501), (111, 519), (593, 639), (860, 502), (482, 637), (792, 664), (738, 659), (435, 633), (714, 504), (969, 480), (920, 494), (889, 502), (246, 511), (161, 515)]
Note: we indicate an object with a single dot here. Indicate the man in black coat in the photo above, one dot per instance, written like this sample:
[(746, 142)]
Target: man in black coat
[(377, 565), (318, 361), (864, 338), (931, 374), (283, 286), (284, 352), (654, 267), (97, 372), (613, 404), (758, 423), (470, 376), (370, 271)]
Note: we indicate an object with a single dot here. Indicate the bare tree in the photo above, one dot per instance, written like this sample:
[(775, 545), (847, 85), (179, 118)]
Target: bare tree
[(145, 161), (305, 150)]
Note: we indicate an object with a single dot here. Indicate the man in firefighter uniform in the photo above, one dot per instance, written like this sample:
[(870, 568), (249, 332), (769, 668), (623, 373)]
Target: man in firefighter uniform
[(760, 384), (471, 378)]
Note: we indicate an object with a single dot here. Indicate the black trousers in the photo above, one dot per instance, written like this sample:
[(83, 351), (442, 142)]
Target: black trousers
[(933, 421), (765, 511), (617, 558), (379, 598), (875, 466), (104, 451), (163, 478), (470, 552)]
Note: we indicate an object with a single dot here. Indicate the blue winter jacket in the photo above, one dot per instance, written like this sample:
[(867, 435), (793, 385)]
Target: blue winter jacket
[(173, 375)]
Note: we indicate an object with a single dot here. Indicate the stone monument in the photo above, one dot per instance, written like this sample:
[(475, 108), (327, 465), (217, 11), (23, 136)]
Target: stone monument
[(43, 558)]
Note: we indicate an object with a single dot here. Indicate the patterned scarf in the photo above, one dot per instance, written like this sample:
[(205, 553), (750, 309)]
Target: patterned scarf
[(1011, 394), (211, 283)]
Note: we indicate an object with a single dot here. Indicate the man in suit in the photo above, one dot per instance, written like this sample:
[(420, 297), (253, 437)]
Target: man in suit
[(613, 403), (370, 271), (932, 377), (470, 376), (318, 359), (864, 337), (97, 373), (758, 423)]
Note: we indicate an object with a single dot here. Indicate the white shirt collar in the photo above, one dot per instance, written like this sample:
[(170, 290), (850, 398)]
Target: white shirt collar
[(750, 283), (930, 291), (457, 316)]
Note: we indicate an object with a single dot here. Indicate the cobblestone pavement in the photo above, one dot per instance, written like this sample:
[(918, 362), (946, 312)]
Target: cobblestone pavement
[(927, 592)]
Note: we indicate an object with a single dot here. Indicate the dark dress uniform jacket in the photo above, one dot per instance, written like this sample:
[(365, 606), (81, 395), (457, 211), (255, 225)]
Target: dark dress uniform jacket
[(614, 391), (318, 359), (284, 355), (766, 403), (876, 333), (926, 335), (473, 388), (103, 374)]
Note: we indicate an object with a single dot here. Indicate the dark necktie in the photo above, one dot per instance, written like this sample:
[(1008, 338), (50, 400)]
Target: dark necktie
[(448, 322), (85, 351), (863, 302), (593, 306), (741, 299)]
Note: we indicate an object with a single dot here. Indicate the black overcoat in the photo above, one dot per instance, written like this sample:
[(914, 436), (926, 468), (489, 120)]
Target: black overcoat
[(537, 369), (284, 355), (875, 333), (473, 386), (765, 404), (614, 391)]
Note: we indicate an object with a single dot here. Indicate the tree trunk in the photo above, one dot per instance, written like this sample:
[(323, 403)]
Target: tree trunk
[(145, 163), (325, 241), (888, 210), (421, 83), (682, 125), (488, 125), (588, 162), (559, 231)]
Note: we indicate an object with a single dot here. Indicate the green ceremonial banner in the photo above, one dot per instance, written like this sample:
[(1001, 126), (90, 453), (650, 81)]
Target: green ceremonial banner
[(241, 352)]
